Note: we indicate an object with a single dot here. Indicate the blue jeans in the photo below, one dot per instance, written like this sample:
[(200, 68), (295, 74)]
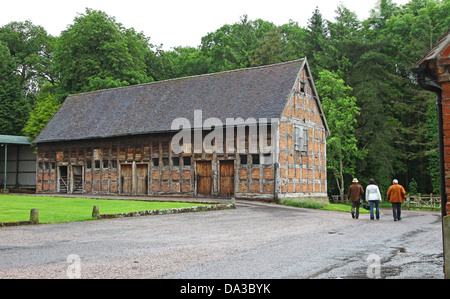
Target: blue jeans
[(375, 203)]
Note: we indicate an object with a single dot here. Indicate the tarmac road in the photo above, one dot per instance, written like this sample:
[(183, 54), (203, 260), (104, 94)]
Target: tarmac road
[(254, 241)]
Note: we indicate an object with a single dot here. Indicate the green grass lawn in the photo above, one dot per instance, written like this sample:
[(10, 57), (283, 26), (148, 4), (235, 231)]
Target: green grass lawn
[(61, 209)]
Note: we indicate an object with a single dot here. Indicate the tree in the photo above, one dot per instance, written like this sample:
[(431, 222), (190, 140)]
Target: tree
[(177, 63), (46, 106), (346, 24), (269, 49), (97, 52), (340, 111), (14, 108), (412, 30), (377, 129), (233, 46), (294, 40), (32, 49), (317, 39)]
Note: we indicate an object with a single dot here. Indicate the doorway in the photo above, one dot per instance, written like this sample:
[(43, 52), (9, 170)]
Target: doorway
[(63, 182), (126, 179), (226, 178), (204, 178), (134, 179), (77, 179), (141, 179)]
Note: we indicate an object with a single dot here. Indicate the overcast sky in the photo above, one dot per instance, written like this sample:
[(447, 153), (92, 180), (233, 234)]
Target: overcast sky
[(176, 22)]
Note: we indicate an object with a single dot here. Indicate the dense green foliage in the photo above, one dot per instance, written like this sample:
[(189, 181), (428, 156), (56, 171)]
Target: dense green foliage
[(96, 52), (341, 111), (365, 64)]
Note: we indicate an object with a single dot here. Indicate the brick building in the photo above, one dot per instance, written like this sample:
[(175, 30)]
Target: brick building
[(433, 74), (249, 133)]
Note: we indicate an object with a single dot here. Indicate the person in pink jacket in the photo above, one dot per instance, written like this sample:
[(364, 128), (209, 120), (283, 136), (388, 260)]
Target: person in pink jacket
[(396, 195)]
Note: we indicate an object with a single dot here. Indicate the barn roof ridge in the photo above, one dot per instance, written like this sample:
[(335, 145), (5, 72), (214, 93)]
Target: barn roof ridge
[(190, 77)]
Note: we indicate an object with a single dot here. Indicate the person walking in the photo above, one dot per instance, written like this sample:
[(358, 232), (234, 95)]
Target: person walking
[(396, 195), (354, 194), (373, 196)]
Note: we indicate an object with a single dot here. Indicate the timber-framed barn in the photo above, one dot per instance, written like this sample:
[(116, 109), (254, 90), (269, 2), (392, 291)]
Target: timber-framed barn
[(256, 133)]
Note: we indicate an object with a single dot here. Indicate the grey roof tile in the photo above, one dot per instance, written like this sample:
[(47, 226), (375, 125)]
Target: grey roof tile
[(259, 92)]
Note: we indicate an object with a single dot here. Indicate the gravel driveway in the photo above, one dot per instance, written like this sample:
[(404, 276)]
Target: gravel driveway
[(255, 240)]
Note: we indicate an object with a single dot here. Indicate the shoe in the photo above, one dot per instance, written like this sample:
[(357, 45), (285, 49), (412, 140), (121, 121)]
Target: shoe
[(353, 215), (395, 219)]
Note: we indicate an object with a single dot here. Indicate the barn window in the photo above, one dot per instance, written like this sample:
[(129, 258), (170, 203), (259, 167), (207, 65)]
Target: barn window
[(255, 159), (301, 138), (243, 159), (302, 86), (97, 164), (175, 161), (165, 161), (155, 161), (186, 161), (88, 164)]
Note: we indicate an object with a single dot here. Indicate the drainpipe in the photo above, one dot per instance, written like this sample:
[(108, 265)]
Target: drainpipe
[(431, 86)]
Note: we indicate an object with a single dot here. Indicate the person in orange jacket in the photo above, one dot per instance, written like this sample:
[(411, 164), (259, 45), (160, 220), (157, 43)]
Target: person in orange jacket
[(396, 195)]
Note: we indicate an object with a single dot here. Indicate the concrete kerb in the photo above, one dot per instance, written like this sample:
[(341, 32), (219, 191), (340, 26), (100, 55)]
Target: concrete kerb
[(207, 205), (213, 207)]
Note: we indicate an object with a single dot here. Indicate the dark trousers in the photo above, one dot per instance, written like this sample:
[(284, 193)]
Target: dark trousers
[(355, 206), (396, 210)]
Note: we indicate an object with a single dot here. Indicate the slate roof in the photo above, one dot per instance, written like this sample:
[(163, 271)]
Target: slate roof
[(260, 92), (443, 41)]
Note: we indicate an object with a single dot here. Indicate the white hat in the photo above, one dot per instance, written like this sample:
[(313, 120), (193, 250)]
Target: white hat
[(395, 181), (355, 180)]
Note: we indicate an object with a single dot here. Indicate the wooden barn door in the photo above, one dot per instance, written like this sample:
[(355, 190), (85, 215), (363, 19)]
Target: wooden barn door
[(63, 180), (142, 178), (126, 178), (77, 179), (226, 178), (204, 178)]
